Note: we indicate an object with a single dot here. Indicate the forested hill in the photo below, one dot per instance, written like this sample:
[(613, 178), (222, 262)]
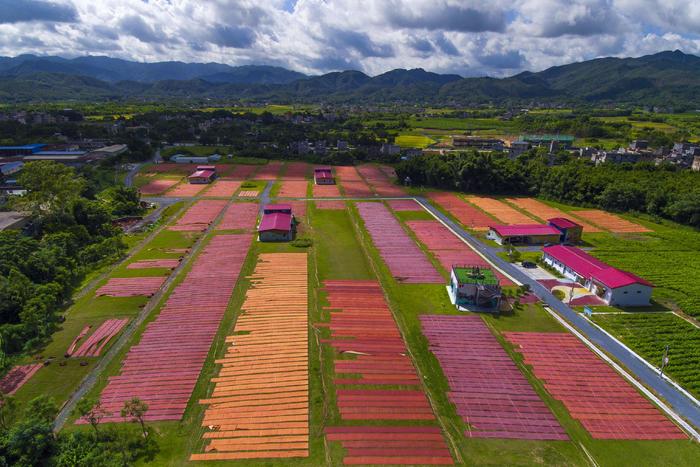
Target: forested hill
[(666, 78)]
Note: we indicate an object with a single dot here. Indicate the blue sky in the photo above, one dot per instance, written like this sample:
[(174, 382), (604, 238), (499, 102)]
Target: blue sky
[(472, 38)]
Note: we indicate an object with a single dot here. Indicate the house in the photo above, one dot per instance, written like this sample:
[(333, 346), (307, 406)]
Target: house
[(529, 234), (183, 159), (639, 145), (323, 176), (517, 148), (277, 223), (614, 286), (563, 141), (10, 168), (390, 149), (13, 220), (474, 286), (25, 150), (108, 151), (201, 177), (478, 142), (571, 232), (696, 164)]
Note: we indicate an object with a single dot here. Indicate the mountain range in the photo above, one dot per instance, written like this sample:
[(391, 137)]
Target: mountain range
[(665, 78)]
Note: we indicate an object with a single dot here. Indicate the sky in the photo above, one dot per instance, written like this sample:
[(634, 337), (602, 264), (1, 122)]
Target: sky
[(467, 37)]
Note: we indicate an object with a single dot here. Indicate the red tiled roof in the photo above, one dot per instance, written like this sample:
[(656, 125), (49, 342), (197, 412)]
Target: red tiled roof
[(276, 221), (578, 260), (562, 222), (616, 278), (518, 230), (202, 173), (587, 266)]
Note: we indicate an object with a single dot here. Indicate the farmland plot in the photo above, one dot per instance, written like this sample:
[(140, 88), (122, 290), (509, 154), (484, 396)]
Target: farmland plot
[(259, 407), (405, 260), (648, 334)]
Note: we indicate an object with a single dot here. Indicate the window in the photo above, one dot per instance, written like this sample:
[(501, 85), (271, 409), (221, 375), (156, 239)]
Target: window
[(625, 292)]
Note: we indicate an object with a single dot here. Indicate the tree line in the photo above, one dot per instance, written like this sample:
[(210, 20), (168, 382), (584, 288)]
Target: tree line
[(662, 191), (70, 233)]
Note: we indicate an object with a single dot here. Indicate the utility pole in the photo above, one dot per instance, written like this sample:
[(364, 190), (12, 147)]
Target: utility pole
[(664, 361)]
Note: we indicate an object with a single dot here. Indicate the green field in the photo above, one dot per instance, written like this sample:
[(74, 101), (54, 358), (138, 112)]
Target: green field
[(649, 333), (414, 141)]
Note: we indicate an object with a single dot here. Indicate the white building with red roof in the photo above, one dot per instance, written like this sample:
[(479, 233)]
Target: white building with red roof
[(615, 286), (528, 234)]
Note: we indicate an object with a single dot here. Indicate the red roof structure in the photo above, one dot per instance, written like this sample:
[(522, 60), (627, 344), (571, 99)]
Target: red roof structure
[(589, 267), (615, 278), (323, 172), (276, 221), (522, 230), (202, 174), (562, 223)]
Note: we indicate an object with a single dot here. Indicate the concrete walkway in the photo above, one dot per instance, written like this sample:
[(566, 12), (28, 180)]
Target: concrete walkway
[(680, 403)]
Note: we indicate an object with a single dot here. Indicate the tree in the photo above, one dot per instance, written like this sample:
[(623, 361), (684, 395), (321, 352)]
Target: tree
[(7, 410), (31, 440), (136, 409), (91, 411), (51, 187)]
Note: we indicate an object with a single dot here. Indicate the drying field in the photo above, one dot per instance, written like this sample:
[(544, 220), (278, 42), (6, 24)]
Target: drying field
[(242, 172), (593, 393), (154, 263), (131, 286), (545, 211), (158, 186), (404, 205), (297, 171), (391, 399), (447, 248), (326, 191), (610, 222), (259, 407), (17, 377), (490, 392), (405, 260), (163, 367), (222, 188), (293, 189), (382, 184), (464, 212), (93, 345), (239, 216), (353, 184), (649, 333), (186, 190), (501, 210), (270, 171), (199, 216)]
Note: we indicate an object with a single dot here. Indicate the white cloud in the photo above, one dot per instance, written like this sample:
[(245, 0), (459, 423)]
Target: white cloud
[(469, 37)]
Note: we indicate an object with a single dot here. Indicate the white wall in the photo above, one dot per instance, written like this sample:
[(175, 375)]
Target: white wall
[(492, 235), (631, 295)]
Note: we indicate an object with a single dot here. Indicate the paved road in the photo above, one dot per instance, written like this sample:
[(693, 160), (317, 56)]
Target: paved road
[(685, 407)]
